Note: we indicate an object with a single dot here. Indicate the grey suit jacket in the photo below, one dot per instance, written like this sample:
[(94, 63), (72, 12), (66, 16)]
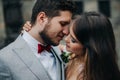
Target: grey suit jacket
[(17, 62)]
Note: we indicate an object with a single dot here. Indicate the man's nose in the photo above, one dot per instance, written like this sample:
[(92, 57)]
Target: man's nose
[(66, 30)]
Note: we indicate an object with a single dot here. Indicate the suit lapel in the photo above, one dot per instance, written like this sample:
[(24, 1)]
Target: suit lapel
[(30, 60), (60, 67)]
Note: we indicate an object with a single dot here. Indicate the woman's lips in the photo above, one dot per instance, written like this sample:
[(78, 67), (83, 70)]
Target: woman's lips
[(67, 46)]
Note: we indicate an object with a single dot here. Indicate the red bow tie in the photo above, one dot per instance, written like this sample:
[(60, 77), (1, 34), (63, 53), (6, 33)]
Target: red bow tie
[(42, 48)]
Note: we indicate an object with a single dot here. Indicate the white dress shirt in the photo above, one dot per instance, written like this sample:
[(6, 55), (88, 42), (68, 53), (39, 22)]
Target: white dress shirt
[(46, 58)]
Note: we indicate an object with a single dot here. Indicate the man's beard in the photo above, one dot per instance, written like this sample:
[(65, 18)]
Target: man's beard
[(47, 40)]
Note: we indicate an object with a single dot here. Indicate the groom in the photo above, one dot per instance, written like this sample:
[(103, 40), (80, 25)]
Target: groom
[(32, 55)]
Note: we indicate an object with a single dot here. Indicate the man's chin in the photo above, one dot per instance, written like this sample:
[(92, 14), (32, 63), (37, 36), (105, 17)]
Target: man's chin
[(55, 44)]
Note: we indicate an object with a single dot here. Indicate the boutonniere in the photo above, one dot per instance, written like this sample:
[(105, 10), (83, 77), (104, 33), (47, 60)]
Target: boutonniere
[(65, 56)]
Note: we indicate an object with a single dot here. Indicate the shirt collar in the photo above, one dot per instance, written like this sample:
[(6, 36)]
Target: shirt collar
[(32, 42)]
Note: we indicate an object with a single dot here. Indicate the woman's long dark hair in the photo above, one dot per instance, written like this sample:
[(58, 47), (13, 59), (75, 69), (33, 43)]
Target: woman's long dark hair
[(95, 32)]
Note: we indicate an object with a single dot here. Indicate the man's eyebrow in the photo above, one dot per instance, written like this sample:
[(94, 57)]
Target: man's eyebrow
[(66, 22)]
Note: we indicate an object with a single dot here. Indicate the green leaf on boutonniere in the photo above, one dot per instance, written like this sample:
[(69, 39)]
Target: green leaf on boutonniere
[(65, 56)]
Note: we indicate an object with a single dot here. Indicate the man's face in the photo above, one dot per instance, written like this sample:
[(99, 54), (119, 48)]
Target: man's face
[(56, 28)]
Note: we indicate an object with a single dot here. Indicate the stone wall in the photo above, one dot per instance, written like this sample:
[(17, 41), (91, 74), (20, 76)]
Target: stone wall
[(2, 28)]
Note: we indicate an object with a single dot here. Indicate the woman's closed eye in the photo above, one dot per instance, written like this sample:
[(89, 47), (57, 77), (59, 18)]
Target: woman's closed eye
[(73, 40)]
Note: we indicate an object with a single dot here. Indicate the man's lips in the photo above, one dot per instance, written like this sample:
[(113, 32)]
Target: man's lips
[(60, 37)]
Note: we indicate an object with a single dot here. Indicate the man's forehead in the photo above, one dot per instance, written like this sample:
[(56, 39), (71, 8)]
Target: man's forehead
[(64, 13), (65, 16)]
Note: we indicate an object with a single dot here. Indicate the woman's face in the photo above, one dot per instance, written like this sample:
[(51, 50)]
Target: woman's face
[(72, 43)]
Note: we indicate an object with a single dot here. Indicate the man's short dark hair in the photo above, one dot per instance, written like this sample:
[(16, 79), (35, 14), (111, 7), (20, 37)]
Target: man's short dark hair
[(51, 8)]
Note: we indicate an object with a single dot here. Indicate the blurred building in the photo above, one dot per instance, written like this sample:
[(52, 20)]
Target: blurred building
[(14, 13)]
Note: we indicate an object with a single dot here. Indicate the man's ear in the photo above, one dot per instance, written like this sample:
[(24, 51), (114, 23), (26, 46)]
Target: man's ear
[(41, 17)]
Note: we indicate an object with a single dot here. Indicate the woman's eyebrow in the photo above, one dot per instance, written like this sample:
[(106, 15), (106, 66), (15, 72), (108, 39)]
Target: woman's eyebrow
[(73, 37)]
